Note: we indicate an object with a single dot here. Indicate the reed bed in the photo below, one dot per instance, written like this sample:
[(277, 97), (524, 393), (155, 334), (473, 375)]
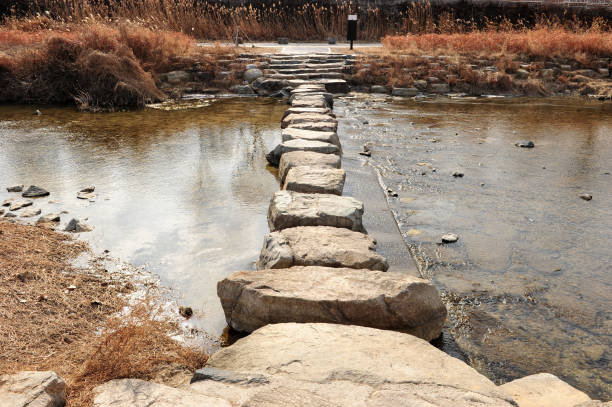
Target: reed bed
[(266, 20)]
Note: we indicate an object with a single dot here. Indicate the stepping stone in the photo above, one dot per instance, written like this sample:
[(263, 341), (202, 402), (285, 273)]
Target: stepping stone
[(394, 301), (309, 88), (335, 85), (316, 126), (306, 158), (312, 102), (274, 156), (290, 209), (311, 180), (319, 365), (307, 118), (300, 97), (320, 246), (299, 110), (293, 133), (543, 390)]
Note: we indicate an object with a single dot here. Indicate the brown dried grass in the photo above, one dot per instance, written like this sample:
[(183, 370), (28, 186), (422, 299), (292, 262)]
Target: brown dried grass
[(46, 326)]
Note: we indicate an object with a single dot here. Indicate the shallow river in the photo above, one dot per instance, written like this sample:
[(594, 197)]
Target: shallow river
[(183, 192), (186, 194), (530, 278)]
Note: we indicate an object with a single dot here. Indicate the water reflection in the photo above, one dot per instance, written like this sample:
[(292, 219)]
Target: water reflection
[(184, 192)]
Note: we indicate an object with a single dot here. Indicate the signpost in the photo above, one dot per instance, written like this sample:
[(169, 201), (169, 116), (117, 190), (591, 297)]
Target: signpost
[(351, 34)]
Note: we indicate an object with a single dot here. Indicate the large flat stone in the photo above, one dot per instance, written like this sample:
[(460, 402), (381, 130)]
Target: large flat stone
[(320, 246), (543, 390), (307, 118), (32, 389), (292, 133), (319, 100), (138, 393), (394, 301), (290, 209), (307, 158), (318, 365), (275, 155), (335, 85), (311, 180)]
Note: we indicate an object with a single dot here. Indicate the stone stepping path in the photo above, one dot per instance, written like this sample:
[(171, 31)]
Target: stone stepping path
[(320, 246), (400, 302)]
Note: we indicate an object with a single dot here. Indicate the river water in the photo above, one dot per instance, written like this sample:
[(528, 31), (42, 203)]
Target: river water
[(185, 193), (529, 281)]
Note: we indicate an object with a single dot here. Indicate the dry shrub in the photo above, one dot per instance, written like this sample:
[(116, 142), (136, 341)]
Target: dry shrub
[(97, 66)]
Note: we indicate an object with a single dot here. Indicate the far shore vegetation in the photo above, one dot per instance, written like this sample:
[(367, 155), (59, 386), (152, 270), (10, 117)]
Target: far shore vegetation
[(106, 55)]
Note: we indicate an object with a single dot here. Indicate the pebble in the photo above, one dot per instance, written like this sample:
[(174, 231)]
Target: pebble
[(18, 204), (15, 188), (457, 174), (86, 195), (77, 226), (586, 197), (88, 189), (28, 213), (450, 238), (186, 312), (525, 144), (50, 217)]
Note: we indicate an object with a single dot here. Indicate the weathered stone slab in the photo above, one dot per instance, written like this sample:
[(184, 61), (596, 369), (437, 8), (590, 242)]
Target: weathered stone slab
[(311, 180), (294, 99), (298, 110), (306, 158), (543, 390), (290, 209), (327, 365), (316, 126), (138, 393), (320, 246), (275, 155), (313, 102), (293, 133), (308, 89), (307, 118), (32, 389), (394, 301)]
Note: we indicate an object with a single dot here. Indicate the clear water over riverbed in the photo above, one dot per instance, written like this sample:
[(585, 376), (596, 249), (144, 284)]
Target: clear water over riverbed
[(186, 193), (530, 279), (183, 192)]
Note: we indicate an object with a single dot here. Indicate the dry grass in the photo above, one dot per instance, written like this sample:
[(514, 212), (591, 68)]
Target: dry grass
[(48, 326), (97, 66), (541, 42)]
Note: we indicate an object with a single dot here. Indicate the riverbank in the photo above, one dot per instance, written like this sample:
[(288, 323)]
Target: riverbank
[(72, 319)]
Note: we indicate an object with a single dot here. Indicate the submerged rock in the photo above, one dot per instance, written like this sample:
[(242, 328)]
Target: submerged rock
[(394, 301), (34, 192), (525, 144), (28, 213), (15, 188), (320, 246), (16, 204), (78, 226), (32, 389), (320, 365), (586, 197), (450, 238)]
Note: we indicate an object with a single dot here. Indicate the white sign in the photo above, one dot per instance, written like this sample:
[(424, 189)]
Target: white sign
[(352, 17)]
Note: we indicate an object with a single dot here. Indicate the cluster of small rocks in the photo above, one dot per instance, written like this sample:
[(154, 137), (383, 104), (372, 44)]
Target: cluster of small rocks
[(24, 207)]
